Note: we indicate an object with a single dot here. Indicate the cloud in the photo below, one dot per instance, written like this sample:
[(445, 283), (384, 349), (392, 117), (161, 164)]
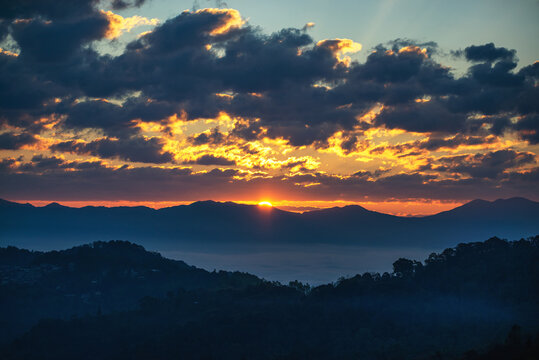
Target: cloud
[(209, 159), (11, 141), (308, 26), (36, 181), (52, 31), (136, 149), (438, 143), (229, 19), (488, 52), (214, 137), (114, 119), (54, 10), (490, 165), (306, 94), (119, 25), (339, 47), (528, 128), (293, 107), (49, 9), (45, 41), (430, 116), (122, 4), (497, 75), (389, 66)]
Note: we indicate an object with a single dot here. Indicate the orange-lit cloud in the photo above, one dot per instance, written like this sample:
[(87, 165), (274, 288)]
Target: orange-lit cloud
[(8, 53), (231, 19), (414, 49), (119, 25), (339, 47)]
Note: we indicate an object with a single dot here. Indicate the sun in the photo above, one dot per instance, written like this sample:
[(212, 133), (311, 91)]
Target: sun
[(265, 203)]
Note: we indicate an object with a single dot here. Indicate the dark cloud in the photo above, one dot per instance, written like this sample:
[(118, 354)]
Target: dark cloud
[(490, 165), (44, 163), (209, 159), (122, 4), (301, 115), (44, 41), (53, 10), (98, 114), (531, 71), (432, 116), (397, 44), (214, 137), (435, 144), (32, 182), (488, 52), (11, 141), (498, 74), (388, 66), (6, 164), (23, 94), (53, 31), (50, 9), (114, 119), (350, 144), (135, 149), (528, 128)]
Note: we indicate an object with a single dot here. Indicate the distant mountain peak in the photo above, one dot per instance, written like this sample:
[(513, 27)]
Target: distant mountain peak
[(204, 203), (506, 207), (7, 203), (354, 207), (347, 209), (514, 201), (54, 205)]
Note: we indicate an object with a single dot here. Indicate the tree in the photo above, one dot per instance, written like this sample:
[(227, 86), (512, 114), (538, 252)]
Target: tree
[(406, 268)]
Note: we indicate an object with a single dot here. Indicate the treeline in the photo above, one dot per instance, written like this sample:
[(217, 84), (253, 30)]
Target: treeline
[(99, 277), (458, 304)]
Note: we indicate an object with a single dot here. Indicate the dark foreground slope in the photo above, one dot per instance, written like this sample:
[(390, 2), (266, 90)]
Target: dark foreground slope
[(207, 223), (90, 279), (462, 299)]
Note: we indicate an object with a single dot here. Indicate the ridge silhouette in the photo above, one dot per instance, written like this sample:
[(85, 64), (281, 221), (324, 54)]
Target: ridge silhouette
[(217, 222)]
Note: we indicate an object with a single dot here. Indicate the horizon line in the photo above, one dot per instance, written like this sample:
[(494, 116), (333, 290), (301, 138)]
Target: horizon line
[(302, 206)]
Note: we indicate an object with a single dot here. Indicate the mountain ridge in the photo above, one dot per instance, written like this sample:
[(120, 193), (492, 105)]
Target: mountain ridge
[(201, 204), (211, 222)]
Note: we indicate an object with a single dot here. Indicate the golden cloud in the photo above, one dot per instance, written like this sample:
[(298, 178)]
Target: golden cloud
[(119, 25), (232, 19), (339, 47), (8, 53)]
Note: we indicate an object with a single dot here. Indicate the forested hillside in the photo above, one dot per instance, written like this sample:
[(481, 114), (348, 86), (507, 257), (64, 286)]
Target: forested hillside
[(90, 279), (456, 304)]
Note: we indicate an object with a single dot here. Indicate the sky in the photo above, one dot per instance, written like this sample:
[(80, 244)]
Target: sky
[(405, 107)]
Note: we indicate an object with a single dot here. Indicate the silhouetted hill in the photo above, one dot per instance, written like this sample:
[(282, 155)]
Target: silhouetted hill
[(227, 223), (4, 204), (454, 305), (510, 209), (103, 276), (514, 217)]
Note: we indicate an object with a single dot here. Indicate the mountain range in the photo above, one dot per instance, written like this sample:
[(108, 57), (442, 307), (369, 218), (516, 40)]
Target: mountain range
[(210, 222)]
